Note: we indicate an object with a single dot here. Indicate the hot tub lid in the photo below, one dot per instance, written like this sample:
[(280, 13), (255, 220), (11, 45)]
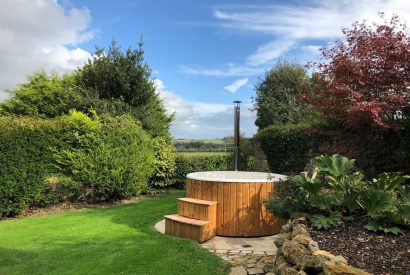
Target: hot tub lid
[(236, 176)]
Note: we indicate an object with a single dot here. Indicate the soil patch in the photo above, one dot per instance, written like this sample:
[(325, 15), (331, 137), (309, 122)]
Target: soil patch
[(377, 253)]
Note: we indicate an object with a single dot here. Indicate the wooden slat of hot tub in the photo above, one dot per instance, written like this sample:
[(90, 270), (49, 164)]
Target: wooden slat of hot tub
[(240, 211), (219, 208)]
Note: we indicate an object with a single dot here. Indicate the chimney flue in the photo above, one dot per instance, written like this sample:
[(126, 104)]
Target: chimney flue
[(236, 136)]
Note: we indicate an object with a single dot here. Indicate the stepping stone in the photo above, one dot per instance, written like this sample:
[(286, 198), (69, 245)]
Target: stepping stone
[(238, 270), (255, 271)]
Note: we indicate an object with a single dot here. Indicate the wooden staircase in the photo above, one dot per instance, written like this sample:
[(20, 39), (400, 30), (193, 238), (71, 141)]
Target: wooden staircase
[(196, 220)]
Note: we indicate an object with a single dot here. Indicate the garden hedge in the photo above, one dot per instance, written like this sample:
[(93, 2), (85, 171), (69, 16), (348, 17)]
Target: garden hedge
[(287, 146), (71, 158), (186, 164)]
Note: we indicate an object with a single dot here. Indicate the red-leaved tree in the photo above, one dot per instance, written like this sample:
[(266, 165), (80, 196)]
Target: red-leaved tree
[(364, 78)]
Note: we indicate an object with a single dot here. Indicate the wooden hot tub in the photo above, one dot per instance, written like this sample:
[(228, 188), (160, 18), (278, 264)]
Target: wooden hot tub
[(240, 211)]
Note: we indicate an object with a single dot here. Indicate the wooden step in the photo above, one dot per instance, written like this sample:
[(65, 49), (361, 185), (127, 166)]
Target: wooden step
[(197, 209), (196, 201), (186, 220), (183, 227)]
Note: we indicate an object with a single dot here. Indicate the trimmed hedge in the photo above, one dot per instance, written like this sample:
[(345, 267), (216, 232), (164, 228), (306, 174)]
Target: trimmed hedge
[(164, 165), (290, 148), (71, 158), (186, 164), (287, 146), (26, 159)]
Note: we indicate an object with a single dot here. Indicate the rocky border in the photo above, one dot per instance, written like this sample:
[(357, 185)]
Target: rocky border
[(299, 254)]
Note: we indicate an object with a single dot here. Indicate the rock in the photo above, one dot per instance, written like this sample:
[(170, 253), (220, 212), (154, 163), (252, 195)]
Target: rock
[(331, 267), (267, 267), (250, 265), (239, 260), (300, 229), (313, 245), (226, 258), (279, 263), (294, 252), (244, 252), (255, 271), (329, 256), (285, 236), (287, 227), (289, 270), (299, 215), (238, 270), (302, 239)]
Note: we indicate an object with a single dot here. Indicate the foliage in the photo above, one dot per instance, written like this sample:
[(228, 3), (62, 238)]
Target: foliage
[(376, 201), (44, 96), (111, 158), (276, 99), (164, 164), (186, 164), (376, 226), (338, 190), (201, 145), (325, 222), (287, 146), (361, 84), (25, 161), (122, 78), (311, 185), (288, 198), (104, 240), (388, 181), (74, 157)]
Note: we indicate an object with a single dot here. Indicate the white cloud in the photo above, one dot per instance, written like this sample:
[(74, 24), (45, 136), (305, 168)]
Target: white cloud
[(203, 119), (229, 71), (290, 25), (269, 52), (40, 34), (235, 86)]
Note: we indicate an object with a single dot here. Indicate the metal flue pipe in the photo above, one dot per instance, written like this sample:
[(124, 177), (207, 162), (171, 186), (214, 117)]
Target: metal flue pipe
[(236, 136)]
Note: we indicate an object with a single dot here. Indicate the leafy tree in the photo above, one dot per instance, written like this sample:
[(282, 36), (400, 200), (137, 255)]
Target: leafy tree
[(363, 80), (44, 96), (276, 100), (120, 82)]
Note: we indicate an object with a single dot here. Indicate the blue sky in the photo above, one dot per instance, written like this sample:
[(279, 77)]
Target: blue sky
[(204, 54)]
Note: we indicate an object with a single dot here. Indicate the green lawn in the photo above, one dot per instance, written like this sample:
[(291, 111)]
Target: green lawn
[(117, 240)]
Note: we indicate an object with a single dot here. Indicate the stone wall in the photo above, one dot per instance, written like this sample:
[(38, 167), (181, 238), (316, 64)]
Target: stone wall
[(299, 254)]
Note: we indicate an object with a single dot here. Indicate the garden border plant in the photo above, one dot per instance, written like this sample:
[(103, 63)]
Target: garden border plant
[(336, 192)]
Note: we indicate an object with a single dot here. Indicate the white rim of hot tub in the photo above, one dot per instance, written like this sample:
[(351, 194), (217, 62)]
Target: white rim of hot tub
[(236, 176)]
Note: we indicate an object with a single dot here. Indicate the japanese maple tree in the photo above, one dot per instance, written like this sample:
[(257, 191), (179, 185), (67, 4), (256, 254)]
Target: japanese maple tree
[(364, 78)]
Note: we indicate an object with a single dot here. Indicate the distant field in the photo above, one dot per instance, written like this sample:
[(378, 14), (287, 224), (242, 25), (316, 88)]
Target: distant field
[(187, 140), (203, 153)]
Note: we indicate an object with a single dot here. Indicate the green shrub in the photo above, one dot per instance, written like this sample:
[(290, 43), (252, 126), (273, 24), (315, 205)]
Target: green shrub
[(186, 164), (288, 198), (164, 164), (44, 96), (71, 158), (287, 146), (26, 159), (111, 158)]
